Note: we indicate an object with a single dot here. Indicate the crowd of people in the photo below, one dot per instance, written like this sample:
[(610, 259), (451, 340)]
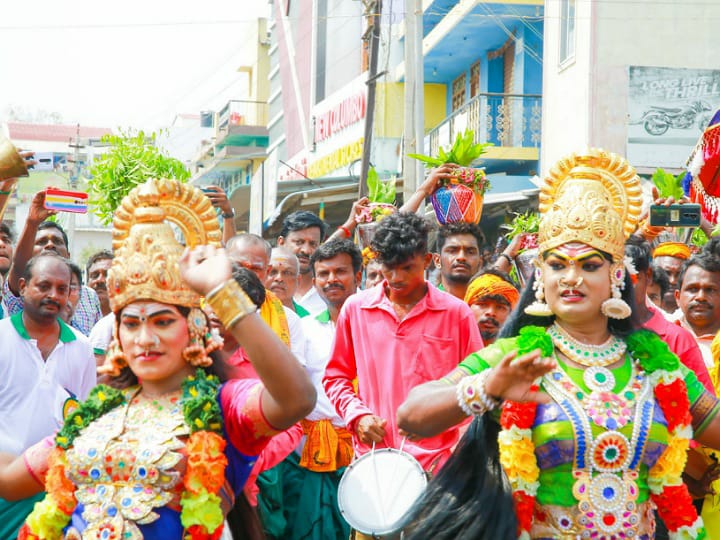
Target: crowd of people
[(220, 387)]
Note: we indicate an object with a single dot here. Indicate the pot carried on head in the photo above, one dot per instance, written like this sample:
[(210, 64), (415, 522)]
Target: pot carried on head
[(459, 199)]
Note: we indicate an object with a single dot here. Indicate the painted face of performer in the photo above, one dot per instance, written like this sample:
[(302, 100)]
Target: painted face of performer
[(577, 281), (153, 336)]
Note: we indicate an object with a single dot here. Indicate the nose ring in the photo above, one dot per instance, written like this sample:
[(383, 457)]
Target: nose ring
[(565, 285)]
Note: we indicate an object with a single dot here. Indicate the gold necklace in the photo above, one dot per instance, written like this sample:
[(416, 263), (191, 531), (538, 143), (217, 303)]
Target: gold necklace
[(587, 355)]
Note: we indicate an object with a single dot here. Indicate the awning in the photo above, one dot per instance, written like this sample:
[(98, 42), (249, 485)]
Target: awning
[(338, 194)]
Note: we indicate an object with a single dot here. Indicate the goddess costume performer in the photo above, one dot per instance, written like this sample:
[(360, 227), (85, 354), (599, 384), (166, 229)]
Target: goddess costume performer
[(163, 458), (596, 416)]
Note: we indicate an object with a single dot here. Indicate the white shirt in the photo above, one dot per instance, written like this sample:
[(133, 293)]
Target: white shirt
[(319, 335), (312, 302), (33, 391), (101, 334), (297, 336)]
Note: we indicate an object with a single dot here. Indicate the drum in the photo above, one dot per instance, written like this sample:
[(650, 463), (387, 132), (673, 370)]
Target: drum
[(378, 489)]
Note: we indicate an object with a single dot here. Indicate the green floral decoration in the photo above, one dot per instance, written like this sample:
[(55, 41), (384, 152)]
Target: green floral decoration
[(535, 337), (203, 509), (102, 399), (652, 352), (199, 402)]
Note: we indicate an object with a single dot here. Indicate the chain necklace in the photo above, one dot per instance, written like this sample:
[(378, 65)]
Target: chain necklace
[(587, 355)]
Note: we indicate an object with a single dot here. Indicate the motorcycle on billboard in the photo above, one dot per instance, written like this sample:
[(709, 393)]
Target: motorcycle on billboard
[(657, 120)]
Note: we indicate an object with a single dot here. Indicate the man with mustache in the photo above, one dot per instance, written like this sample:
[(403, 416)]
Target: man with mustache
[(394, 336), (312, 473), (41, 236), (45, 365), (698, 297), (670, 256), (302, 233), (491, 297), (97, 268), (458, 256)]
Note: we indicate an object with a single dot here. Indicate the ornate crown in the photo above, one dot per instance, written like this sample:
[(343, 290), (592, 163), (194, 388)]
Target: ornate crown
[(145, 266), (594, 198)]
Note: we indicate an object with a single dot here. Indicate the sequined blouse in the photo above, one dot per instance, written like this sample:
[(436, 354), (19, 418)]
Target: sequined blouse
[(128, 465), (625, 430)]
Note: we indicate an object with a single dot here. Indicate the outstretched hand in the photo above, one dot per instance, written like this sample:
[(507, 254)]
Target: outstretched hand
[(204, 268), (514, 377)]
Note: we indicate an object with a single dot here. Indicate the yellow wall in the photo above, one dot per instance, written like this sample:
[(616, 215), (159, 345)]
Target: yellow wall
[(390, 107)]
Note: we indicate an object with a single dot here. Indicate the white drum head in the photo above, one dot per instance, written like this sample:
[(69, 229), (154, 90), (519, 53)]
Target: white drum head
[(377, 490)]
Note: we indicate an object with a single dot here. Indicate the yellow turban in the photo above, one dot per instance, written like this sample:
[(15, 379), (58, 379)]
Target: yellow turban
[(672, 249), (491, 285)]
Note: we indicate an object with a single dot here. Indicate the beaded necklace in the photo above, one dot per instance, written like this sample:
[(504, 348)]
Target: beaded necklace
[(201, 513), (606, 476), (587, 355)]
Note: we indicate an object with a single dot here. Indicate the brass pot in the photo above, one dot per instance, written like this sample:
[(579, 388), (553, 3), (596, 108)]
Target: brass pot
[(12, 164)]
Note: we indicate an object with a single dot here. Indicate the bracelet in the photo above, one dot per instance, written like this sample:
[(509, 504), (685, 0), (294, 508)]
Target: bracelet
[(650, 232), (508, 257), (472, 397), (345, 231), (230, 303), (5, 192)]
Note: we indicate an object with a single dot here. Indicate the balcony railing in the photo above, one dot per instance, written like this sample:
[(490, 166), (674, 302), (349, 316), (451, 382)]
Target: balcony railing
[(239, 112), (503, 119)]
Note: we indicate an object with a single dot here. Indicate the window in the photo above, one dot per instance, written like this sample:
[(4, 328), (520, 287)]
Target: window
[(475, 79), (458, 92), (567, 30)]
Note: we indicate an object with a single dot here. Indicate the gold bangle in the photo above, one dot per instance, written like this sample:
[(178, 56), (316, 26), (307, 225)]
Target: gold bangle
[(650, 232), (230, 303)]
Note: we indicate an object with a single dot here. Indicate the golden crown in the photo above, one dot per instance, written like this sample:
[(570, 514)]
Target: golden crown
[(594, 198), (145, 266)]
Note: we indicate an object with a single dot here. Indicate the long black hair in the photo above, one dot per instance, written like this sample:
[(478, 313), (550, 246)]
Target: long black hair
[(470, 498)]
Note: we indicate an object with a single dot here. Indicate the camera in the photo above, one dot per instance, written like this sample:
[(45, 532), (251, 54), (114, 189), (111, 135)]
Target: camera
[(675, 215)]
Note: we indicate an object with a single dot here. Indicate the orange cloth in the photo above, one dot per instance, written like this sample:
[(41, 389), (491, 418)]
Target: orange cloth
[(491, 285), (327, 448), (672, 249), (273, 314)]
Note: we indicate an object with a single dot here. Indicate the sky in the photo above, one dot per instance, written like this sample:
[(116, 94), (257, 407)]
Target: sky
[(135, 63)]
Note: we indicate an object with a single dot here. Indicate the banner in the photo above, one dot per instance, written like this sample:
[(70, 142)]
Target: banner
[(668, 108)]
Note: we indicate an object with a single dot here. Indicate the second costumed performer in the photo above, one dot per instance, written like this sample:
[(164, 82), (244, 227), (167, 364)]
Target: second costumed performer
[(595, 416), (163, 452)]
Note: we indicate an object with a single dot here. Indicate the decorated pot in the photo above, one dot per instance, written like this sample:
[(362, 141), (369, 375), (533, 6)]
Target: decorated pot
[(368, 219), (456, 203)]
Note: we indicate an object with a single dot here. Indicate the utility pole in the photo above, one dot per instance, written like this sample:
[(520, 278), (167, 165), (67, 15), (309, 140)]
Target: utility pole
[(414, 120), (76, 145), (373, 10)]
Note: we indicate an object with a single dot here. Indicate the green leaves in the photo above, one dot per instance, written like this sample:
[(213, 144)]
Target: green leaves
[(667, 184), (529, 222), (463, 151), (380, 191), (132, 159)]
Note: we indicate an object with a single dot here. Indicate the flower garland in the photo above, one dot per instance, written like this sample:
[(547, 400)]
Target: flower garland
[(201, 513), (667, 491)]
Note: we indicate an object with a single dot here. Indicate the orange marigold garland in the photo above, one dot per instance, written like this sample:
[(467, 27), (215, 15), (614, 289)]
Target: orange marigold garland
[(201, 513)]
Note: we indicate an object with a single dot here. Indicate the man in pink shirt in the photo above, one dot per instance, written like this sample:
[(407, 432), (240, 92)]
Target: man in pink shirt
[(394, 337), (680, 341)]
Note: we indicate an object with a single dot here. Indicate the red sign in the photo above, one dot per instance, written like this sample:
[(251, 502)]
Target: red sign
[(342, 115)]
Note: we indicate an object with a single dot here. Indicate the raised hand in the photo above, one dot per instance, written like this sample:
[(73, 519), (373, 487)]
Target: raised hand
[(204, 268), (514, 377)]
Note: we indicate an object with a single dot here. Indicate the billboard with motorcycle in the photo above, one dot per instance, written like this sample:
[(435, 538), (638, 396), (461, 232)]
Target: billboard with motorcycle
[(668, 108)]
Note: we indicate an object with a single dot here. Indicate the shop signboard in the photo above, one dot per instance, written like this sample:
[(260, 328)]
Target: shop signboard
[(668, 108)]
